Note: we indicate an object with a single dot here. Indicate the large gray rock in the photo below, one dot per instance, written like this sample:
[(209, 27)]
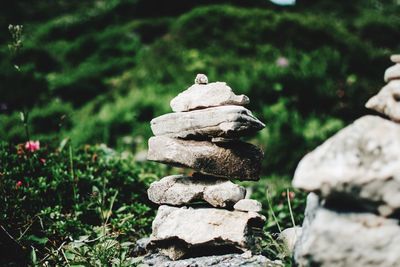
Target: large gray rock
[(228, 260), (361, 163), (180, 231), (179, 190), (350, 239), (387, 101), (225, 121), (207, 95), (237, 160)]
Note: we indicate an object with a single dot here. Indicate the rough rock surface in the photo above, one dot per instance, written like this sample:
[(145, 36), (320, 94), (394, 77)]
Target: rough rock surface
[(225, 121), (289, 237), (228, 260), (361, 163), (387, 101), (209, 95), (140, 247), (392, 73), (312, 205), (178, 190), (350, 239), (236, 160), (201, 79), (248, 205), (182, 230)]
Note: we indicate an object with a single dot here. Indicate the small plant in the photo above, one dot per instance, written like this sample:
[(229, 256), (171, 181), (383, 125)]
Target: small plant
[(53, 196), (16, 34)]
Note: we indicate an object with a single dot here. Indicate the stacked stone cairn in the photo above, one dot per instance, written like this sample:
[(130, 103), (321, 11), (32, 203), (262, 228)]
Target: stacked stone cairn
[(352, 215), (205, 213)]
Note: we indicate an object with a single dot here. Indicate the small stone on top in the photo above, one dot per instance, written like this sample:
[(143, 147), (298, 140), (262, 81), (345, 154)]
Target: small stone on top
[(201, 79)]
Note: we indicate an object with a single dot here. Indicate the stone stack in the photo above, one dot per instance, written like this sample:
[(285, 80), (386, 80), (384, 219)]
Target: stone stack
[(352, 214), (205, 213)]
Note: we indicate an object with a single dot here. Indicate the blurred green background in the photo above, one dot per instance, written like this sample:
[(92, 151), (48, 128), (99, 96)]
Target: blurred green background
[(97, 72)]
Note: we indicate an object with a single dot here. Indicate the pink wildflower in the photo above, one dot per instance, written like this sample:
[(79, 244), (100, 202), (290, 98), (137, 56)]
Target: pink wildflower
[(18, 184), (282, 62), (291, 195), (32, 146)]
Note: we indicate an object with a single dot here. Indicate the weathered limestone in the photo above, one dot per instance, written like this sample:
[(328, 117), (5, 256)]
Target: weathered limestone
[(228, 260), (248, 205), (184, 229), (350, 239), (356, 176), (237, 160), (204, 134), (387, 101), (179, 190), (225, 121), (361, 162), (204, 96)]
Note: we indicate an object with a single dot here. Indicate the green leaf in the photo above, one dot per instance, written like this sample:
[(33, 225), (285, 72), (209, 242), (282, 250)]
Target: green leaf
[(38, 240), (33, 256)]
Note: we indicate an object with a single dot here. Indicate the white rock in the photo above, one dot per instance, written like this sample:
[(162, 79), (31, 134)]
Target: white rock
[(312, 205), (237, 160), (392, 73), (387, 101), (179, 190), (395, 58), (201, 79), (360, 162), (225, 121), (181, 230), (209, 95), (289, 237), (226, 260), (350, 239), (248, 205)]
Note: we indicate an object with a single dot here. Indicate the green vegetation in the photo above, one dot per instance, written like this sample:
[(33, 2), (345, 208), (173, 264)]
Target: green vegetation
[(96, 72), (51, 196)]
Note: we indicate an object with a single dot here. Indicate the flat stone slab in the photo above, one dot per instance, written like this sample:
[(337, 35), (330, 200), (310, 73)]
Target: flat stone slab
[(360, 163), (349, 239), (248, 205), (237, 160), (180, 190), (207, 95), (179, 231), (225, 121), (387, 101), (392, 73), (228, 260)]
